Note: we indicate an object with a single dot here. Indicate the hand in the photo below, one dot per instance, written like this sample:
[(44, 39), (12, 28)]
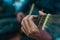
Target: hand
[(31, 30), (20, 16), (28, 26)]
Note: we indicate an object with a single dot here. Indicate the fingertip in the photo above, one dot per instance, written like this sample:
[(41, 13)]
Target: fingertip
[(42, 13), (33, 17)]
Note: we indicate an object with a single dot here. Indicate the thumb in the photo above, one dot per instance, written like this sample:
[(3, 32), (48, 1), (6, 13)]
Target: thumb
[(20, 16)]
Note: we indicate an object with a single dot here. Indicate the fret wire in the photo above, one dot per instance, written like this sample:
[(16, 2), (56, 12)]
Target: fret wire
[(41, 21)]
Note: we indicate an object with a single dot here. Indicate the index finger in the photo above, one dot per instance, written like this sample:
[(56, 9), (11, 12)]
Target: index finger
[(30, 21)]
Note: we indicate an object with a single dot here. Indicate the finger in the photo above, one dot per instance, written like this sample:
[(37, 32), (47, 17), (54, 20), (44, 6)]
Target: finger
[(42, 13), (23, 30), (23, 26), (31, 23), (20, 16), (32, 17), (26, 25)]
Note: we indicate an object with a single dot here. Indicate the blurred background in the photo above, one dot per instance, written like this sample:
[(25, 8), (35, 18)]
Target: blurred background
[(9, 26)]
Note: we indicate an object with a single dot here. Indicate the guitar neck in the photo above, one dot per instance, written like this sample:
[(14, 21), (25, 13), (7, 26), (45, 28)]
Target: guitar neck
[(43, 20)]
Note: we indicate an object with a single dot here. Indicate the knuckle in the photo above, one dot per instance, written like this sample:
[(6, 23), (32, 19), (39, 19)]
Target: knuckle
[(24, 19), (28, 19), (32, 31), (29, 33)]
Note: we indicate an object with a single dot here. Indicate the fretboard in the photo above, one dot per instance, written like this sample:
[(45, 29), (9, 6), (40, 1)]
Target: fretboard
[(43, 20)]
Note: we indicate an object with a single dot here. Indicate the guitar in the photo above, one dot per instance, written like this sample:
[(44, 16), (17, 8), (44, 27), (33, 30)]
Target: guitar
[(42, 20)]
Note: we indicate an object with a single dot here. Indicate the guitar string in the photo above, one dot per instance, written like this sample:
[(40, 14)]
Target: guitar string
[(40, 20)]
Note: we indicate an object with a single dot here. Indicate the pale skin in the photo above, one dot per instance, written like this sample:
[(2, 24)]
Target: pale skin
[(30, 29)]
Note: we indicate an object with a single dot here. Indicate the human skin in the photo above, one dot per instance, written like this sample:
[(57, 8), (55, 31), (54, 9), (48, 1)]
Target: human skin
[(31, 30)]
